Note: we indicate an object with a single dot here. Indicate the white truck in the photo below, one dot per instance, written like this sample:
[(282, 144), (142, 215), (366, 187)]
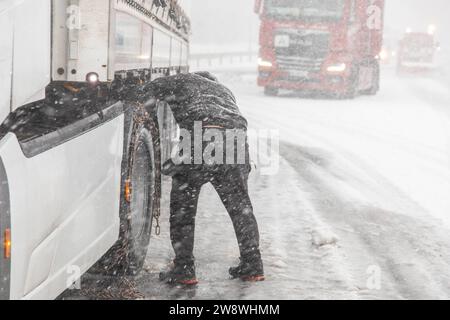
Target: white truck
[(79, 161)]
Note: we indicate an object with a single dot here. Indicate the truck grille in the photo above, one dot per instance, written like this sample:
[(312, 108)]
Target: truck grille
[(289, 63), (307, 50)]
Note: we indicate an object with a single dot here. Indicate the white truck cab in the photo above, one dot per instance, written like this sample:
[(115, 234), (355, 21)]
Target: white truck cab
[(79, 161)]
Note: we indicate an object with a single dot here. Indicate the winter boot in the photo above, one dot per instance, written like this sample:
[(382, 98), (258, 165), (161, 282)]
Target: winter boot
[(180, 274), (251, 271)]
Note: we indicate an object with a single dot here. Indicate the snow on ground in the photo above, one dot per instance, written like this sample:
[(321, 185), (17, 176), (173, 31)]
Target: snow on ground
[(358, 210), (380, 175), (402, 135)]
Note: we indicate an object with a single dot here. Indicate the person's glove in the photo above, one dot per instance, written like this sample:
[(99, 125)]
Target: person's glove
[(151, 103), (171, 169)]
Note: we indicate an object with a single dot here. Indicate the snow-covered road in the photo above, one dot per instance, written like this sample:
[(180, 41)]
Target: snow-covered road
[(358, 210)]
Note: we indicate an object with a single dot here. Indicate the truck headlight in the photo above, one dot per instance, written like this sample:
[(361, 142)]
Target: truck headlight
[(384, 54), (338, 67), (264, 63)]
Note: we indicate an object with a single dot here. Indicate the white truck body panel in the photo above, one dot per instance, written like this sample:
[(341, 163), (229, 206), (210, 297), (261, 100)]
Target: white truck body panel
[(64, 209), (32, 51), (25, 53), (60, 46), (80, 39), (64, 201), (93, 40), (6, 53)]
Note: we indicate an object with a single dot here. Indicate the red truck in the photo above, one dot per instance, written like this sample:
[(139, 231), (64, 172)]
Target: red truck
[(328, 46), (417, 51)]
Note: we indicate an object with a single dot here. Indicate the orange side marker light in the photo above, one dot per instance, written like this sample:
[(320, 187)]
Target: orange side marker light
[(128, 191), (7, 244)]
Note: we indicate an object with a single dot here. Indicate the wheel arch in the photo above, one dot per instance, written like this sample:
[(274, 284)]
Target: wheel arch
[(137, 123)]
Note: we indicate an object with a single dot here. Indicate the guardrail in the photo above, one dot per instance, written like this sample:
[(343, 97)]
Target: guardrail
[(222, 59)]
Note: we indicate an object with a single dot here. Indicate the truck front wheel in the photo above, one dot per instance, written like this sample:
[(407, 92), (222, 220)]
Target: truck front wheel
[(271, 91), (140, 197), (138, 209), (352, 86), (373, 90)]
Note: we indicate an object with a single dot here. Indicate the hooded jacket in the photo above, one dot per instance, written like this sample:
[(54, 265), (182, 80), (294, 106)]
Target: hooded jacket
[(193, 97)]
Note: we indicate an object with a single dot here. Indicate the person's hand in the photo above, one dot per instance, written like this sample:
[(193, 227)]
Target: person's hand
[(170, 169), (151, 103)]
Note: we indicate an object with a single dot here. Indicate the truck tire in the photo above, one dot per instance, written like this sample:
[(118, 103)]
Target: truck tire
[(352, 87), (375, 80), (271, 91), (140, 196)]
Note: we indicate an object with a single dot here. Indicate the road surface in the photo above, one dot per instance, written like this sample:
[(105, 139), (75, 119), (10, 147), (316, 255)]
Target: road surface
[(359, 208)]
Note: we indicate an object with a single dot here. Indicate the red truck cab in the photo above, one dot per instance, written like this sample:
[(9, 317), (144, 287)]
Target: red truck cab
[(329, 46)]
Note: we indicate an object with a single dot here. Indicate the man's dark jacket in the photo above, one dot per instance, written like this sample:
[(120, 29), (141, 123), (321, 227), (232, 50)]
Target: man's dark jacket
[(195, 98)]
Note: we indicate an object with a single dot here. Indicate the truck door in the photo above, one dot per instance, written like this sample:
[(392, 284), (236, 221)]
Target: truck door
[(64, 176), (64, 205), (6, 54)]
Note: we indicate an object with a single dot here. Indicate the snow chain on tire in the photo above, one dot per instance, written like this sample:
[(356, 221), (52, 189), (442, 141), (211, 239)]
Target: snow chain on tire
[(137, 121)]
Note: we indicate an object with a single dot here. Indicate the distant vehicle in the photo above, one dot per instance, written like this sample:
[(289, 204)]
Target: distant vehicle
[(417, 52), (79, 160), (330, 46)]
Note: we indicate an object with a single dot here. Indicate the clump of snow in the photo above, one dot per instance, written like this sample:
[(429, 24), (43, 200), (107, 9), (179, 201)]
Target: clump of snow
[(323, 237), (280, 264)]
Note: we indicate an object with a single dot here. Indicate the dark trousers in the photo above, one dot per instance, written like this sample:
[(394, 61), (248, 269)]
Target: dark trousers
[(230, 182)]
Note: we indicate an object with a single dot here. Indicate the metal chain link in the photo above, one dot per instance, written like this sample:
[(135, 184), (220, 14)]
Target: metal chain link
[(157, 220)]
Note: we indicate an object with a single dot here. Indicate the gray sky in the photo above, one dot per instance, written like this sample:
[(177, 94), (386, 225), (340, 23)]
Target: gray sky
[(223, 21), (219, 22), (418, 14)]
